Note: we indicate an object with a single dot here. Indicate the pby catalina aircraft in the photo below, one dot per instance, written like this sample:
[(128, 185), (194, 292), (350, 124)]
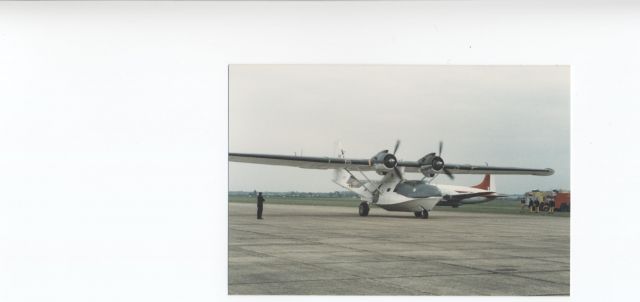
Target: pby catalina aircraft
[(392, 192)]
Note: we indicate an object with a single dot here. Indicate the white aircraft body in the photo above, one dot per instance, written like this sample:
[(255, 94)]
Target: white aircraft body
[(456, 196), (393, 192)]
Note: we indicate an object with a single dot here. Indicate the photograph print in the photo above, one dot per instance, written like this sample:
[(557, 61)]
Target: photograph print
[(449, 180)]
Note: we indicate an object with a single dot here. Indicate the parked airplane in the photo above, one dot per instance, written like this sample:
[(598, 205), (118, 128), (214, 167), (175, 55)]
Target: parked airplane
[(392, 192), (456, 196)]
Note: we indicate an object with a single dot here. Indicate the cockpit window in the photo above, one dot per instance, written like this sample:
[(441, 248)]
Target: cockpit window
[(417, 189)]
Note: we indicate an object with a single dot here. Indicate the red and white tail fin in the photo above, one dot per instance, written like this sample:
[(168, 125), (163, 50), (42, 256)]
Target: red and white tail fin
[(486, 184)]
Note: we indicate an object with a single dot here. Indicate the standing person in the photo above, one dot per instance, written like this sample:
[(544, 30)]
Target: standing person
[(552, 206), (522, 203), (260, 202), (530, 204)]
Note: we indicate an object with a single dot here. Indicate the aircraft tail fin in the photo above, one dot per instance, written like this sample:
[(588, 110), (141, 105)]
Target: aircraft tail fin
[(486, 184)]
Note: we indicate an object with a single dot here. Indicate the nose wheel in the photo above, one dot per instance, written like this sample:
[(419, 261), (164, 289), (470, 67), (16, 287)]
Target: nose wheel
[(424, 214), (363, 209)]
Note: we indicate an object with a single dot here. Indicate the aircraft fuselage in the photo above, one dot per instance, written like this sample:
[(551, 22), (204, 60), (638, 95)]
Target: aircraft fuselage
[(393, 193)]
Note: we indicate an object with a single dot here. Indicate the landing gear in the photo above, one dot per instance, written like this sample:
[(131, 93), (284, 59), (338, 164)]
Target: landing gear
[(424, 214), (363, 209)]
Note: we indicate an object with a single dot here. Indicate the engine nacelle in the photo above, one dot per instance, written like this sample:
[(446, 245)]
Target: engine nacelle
[(431, 164), (383, 162)]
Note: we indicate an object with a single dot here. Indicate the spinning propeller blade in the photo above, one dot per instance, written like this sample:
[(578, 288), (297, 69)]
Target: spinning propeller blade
[(398, 172), (447, 172), (396, 147), (395, 169)]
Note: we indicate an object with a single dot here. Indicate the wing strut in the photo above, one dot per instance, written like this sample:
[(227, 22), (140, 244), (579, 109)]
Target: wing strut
[(363, 185), (371, 182)]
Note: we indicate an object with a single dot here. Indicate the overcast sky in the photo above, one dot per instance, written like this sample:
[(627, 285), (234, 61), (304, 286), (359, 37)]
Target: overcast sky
[(504, 115)]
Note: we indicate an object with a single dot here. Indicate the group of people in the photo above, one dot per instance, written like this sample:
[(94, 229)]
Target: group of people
[(546, 204)]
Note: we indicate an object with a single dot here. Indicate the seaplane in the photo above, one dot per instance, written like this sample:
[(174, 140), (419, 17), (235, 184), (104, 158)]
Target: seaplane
[(392, 191)]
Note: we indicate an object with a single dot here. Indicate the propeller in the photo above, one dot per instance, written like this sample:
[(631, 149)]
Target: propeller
[(339, 149), (396, 169), (385, 161), (444, 169), (395, 149), (392, 160), (431, 164), (448, 173)]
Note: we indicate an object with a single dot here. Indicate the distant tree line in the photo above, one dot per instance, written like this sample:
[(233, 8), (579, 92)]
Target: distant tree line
[(296, 194)]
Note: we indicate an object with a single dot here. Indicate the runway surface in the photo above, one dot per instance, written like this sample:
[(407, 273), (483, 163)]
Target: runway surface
[(317, 250)]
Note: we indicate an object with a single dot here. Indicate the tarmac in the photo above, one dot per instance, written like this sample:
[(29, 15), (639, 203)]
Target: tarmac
[(318, 250)]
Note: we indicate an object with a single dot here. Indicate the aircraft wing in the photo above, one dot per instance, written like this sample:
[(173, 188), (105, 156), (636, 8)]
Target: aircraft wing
[(471, 169), (459, 197), (306, 162), (310, 162)]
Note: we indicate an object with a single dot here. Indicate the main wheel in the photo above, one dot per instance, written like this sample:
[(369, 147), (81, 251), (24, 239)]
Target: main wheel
[(424, 214), (363, 209)]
